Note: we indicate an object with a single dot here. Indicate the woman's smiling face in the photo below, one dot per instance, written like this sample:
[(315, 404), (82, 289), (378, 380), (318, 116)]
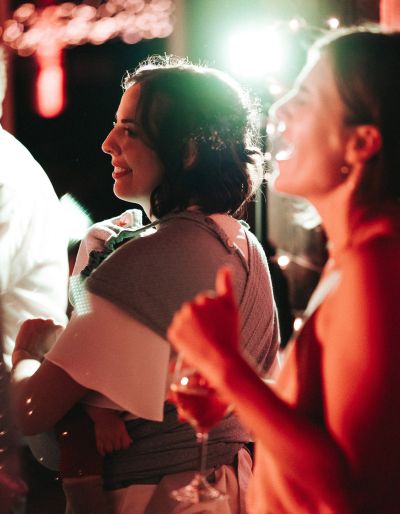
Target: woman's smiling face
[(313, 115), (137, 168)]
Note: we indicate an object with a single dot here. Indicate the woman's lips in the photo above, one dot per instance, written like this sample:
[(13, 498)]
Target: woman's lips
[(120, 172)]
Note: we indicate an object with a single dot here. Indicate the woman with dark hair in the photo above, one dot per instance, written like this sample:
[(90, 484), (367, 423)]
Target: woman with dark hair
[(182, 146), (199, 123), (327, 433)]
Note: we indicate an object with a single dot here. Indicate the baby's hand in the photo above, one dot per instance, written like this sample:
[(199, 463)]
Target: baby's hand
[(110, 431), (99, 233)]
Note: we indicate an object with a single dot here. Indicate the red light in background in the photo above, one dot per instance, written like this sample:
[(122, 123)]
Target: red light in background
[(50, 94), (390, 14)]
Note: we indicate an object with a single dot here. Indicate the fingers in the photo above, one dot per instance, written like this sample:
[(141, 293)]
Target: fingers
[(31, 325), (224, 283)]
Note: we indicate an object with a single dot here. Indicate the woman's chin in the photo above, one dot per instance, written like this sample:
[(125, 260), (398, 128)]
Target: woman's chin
[(275, 180), (122, 194), (279, 180)]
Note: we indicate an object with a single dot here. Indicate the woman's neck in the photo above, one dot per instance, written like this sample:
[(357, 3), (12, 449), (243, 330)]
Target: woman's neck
[(335, 211)]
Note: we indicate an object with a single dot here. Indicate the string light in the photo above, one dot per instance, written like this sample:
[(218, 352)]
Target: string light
[(283, 261), (297, 324), (333, 23), (45, 32), (69, 24), (296, 24)]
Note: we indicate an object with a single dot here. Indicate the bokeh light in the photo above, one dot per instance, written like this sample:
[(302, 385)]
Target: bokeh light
[(69, 24), (255, 53), (333, 23)]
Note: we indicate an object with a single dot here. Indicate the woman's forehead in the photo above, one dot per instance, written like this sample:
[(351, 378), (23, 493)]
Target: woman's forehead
[(318, 72), (129, 101)]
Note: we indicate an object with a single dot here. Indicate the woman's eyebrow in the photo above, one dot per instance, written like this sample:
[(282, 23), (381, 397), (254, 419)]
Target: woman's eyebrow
[(132, 121), (129, 120)]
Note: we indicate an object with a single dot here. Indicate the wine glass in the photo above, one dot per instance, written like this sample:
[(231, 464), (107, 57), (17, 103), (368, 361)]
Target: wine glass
[(198, 404)]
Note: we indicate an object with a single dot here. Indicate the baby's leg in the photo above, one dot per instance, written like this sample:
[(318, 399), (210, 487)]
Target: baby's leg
[(85, 495), (110, 430)]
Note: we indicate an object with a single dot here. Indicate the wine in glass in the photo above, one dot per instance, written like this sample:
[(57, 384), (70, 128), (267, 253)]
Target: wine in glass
[(198, 404)]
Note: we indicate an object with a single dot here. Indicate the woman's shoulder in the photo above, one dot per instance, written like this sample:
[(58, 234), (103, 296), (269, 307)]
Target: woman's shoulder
[(369, 273), (187, 232), (377, 254), (181, 244)]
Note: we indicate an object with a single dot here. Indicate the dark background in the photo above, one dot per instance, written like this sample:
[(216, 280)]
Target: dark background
[(69, 146)]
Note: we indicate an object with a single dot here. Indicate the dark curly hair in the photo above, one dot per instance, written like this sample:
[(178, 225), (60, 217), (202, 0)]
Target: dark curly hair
[(366, 64), (183, 107)]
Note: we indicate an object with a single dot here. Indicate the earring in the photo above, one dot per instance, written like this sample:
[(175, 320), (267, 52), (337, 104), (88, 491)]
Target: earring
[(345, 170)]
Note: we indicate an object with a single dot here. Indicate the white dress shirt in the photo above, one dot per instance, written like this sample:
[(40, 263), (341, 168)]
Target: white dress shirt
[(33, 243)]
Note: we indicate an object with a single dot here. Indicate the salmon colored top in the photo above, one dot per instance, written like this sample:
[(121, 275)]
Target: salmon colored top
[(343, 374)]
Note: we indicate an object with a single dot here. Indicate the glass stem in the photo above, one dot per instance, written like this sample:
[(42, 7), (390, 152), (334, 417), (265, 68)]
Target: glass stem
[(202, 440)]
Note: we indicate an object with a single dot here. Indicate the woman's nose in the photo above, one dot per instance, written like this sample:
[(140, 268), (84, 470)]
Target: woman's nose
[(109, 145), (279, 110)]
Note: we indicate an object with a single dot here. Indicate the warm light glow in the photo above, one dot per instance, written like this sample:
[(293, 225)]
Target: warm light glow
[(255, 53), (294, 24), (333, 23), (68, 24), (297, 324), (50, 99), (275, 89), (283, 261), (184, 381), (45, 31)]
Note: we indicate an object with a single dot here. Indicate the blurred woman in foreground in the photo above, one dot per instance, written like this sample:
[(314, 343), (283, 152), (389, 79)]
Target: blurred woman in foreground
[(327, 434)]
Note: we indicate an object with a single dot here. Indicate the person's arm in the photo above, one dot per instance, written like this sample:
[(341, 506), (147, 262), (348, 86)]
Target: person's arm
[(105, 351), (42, 394), (206, 330)]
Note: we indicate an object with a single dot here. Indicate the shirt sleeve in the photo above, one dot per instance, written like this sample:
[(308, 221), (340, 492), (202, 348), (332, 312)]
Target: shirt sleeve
[(33, 241), (110, 352)]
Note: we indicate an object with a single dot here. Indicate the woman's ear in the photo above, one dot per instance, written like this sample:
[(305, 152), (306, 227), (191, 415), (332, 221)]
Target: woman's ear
[(364, 143), (190, 154)]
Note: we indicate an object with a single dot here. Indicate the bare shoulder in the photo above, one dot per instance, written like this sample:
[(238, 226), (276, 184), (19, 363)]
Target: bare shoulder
[(373, 269), (365, 306), (378, 251)]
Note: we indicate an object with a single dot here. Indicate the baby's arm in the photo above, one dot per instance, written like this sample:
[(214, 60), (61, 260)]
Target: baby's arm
[(110, 431)]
